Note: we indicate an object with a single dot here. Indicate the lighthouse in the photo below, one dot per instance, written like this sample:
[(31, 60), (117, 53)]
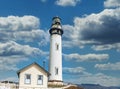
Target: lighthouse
[(55, 60)]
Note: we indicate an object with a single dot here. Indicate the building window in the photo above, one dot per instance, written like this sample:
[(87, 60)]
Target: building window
[(56, 71), (40, 80), (57, 46), (27, 78)]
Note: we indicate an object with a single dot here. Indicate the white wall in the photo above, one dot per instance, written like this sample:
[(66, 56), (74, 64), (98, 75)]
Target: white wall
[(34, 71), (55, 57)]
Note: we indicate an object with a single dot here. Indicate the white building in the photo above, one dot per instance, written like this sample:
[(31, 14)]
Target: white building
[(55, 62), (33, 77)]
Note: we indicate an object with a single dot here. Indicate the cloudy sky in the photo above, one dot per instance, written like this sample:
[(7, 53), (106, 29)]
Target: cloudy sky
[(91, 39)]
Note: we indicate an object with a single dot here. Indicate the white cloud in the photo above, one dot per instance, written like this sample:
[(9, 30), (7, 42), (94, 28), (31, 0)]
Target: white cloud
[(94, 29), (67, 2), (70, 33), (75, 71), (79, 75), (37, 36), (25, 29), (108, 66), (12, 48), (9, 63), (12, 53), (19, 23), (112, 3), (106, 47), (99, 78), (99, 26), (102, 47), (87, 57)]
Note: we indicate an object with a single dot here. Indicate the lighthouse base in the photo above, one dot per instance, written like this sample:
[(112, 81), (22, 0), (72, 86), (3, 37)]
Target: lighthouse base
[(55, 83)]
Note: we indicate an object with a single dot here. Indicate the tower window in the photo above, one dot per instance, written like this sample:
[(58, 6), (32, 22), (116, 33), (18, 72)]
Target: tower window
[(57, 46), (56, 71)]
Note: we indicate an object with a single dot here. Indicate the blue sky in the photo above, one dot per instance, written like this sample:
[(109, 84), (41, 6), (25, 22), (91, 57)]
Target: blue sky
[(91, 39)]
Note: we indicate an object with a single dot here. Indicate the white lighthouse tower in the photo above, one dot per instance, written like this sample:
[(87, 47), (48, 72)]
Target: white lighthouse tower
[(55, 62)]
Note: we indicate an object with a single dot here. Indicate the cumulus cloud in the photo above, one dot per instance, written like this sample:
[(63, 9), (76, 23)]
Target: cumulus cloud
[(106, 47), (97, 29), (12, 53), (38, 36), (108, 66), (112, 3), (79, 75), (67, 2), (8, 63), (88, 57), (103, 27), (24, 29), (12, 48), (101, 79), (75, 71), (19, 23), (98, 78), (70, 33)]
